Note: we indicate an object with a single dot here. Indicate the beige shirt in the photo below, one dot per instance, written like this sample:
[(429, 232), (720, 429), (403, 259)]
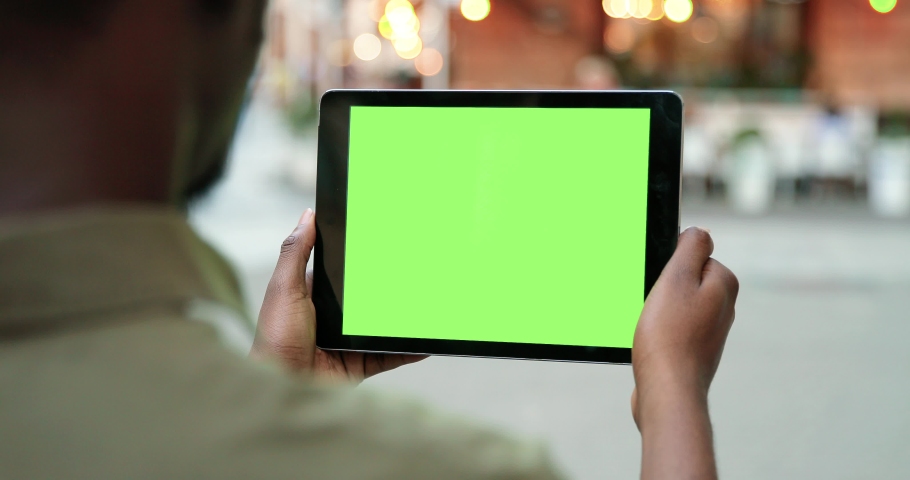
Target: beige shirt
[(103, 373)]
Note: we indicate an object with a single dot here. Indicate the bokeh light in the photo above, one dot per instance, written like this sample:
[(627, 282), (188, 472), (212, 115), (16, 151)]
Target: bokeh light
[(475, 10), (641, 8), (367, 47), (617, 8), (429, 62), (385, 28), (883, 6), (650, 9), (619, 37), (403, 20), (405, 44), (705, 29), (412, 52), (404, 27), (394, 5), (678, 10), (657, 11)]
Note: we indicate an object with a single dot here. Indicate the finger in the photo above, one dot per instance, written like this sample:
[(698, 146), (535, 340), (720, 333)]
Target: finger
[(716, 272), (693, 249), (384, 362), (290, 273), (634, 402)]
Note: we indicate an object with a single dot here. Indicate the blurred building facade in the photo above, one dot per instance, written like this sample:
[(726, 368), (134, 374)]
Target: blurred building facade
[(860, 56), (786, 99)]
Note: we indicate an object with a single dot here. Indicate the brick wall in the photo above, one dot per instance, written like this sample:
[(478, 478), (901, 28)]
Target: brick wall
[(525, 44), (861, 56)]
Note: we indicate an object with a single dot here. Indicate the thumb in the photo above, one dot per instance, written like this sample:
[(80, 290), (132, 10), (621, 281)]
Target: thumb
[(286, 327), (693, 250), (290, 273)]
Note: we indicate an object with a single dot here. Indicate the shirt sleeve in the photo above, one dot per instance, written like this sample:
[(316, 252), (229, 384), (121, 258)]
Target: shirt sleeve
[(161, 398)]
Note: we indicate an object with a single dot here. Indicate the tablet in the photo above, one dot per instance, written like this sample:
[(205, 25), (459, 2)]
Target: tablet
[(513, 224)]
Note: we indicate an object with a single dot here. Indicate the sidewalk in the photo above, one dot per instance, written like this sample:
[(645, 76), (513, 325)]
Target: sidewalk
[(815, 381)]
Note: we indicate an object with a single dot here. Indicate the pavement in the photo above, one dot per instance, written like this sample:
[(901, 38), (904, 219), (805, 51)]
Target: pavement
[(815, 380)]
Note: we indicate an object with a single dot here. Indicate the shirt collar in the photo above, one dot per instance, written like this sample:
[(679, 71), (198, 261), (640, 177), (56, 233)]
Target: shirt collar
[(61, 265)]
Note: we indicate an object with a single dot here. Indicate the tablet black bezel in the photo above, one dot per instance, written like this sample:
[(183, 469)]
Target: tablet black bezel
[(664, 163)]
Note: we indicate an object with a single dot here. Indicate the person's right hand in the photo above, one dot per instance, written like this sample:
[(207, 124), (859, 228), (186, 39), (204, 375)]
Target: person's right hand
[(676, 351), (286, 331)]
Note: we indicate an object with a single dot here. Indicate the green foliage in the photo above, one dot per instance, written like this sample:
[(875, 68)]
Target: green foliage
[(744, 136), (894, 125), (301, 114)]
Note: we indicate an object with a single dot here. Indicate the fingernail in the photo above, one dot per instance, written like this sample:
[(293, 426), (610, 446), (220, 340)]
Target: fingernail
[(306, 216), (706, 230)]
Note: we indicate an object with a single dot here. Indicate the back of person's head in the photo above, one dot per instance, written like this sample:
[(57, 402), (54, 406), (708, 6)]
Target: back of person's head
[(119, 100)]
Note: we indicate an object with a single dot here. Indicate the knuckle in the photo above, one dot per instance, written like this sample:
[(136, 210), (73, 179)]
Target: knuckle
[(290, 244), (726, 278), (732, 282)]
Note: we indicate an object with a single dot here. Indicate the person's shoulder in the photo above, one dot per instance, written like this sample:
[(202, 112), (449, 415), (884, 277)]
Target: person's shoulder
[(382, 435), (162, 398), (290, 426), (293, 426)]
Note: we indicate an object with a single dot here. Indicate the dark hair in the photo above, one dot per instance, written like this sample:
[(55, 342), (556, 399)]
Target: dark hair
[(218, 9), (86, 13), (59, 13)]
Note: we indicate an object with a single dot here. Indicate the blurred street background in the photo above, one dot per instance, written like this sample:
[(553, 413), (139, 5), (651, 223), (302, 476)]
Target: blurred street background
[(797, 157)]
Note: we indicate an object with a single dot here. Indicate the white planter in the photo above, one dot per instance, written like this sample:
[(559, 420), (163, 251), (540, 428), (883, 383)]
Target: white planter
[(750, 178), (889, 178)]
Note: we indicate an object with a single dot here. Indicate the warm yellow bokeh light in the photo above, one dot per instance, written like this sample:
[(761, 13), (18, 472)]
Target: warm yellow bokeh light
[(619, 8), (409, 29), (402, 21), (609, 10), (367, 46), (401, 18), (412, 52), (475, 10), (385, 28), (429, 62), (398, 4), (657, 11), (642, 8), (678, 10), (405, 44), (650, 9)]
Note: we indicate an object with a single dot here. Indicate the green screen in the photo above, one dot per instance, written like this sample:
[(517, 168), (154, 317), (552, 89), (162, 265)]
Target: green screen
[(496, 224)]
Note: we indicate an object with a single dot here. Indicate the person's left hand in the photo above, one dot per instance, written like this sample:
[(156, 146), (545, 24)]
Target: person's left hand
[(286, 331)]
